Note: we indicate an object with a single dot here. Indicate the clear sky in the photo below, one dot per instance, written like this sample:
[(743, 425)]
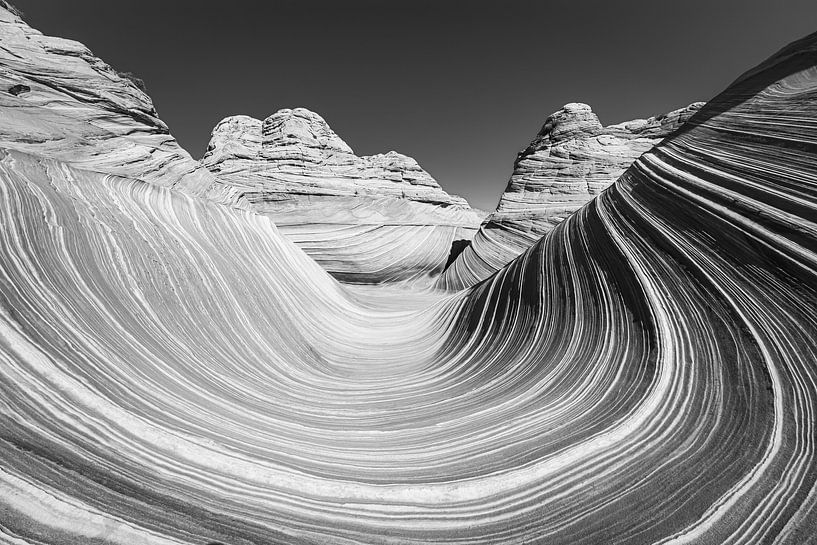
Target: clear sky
[(460, 86)]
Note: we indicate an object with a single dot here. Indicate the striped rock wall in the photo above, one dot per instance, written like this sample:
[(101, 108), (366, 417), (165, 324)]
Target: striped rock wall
[(352, 214), (571, 160), (371, 219), (174, 371)]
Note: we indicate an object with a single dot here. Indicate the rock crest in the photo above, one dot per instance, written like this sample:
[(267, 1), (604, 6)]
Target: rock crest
[(572, 159)]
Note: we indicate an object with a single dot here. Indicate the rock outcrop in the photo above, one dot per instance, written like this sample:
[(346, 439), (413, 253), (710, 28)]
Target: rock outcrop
[(60, 101), (572, 159), (174, 371), (371, 219)]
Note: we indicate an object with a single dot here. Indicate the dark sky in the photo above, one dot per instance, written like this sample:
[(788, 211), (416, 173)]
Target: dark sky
[(460, 86)]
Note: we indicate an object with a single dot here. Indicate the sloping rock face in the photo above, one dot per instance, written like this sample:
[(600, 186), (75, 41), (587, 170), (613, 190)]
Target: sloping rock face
[(572, 159), (60, 101), (371, 219), (173, 371)]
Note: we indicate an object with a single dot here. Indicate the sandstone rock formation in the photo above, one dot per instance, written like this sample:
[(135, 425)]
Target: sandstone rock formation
[(365, 219), (174, 371), (572, 159), (60, 101)]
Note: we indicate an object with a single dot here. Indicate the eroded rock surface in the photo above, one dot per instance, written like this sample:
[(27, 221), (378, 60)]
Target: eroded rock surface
[(366, 219), (60, 101), (570, 161), (176, 372)]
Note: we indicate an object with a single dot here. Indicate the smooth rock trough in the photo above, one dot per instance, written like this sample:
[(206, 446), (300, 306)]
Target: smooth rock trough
[(176, 371)]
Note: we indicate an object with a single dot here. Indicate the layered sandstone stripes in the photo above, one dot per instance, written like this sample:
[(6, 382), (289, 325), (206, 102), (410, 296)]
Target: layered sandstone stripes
[(176, 371), (371, 219), (352, 214), (571, 160), (60, 101)]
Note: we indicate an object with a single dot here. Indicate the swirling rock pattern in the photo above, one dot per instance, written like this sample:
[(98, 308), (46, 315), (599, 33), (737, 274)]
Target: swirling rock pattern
[(60, 101), (372, 219), (572, 159), (176, 371)]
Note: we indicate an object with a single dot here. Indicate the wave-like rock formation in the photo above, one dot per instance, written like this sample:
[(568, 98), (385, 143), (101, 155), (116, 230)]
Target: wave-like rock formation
[(571, 160), (366, 219), (174, 371), (379, 218)]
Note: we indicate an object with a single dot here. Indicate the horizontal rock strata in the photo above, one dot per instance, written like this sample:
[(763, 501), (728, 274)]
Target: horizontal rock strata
[(379, 218), (572, 159)]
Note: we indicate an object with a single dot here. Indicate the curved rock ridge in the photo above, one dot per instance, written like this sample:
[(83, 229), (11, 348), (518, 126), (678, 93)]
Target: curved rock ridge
[(173, 371), (59, 100), (370, 219), (570, 161)]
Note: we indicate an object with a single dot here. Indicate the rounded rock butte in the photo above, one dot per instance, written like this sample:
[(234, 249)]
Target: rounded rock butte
[(174, 370)]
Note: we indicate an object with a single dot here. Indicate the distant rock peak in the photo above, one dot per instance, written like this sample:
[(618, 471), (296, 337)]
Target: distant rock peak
[(300, 126), (294, 138), (572, 120), (293, 167), (236, 136), (246, 137), (571, 159)]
